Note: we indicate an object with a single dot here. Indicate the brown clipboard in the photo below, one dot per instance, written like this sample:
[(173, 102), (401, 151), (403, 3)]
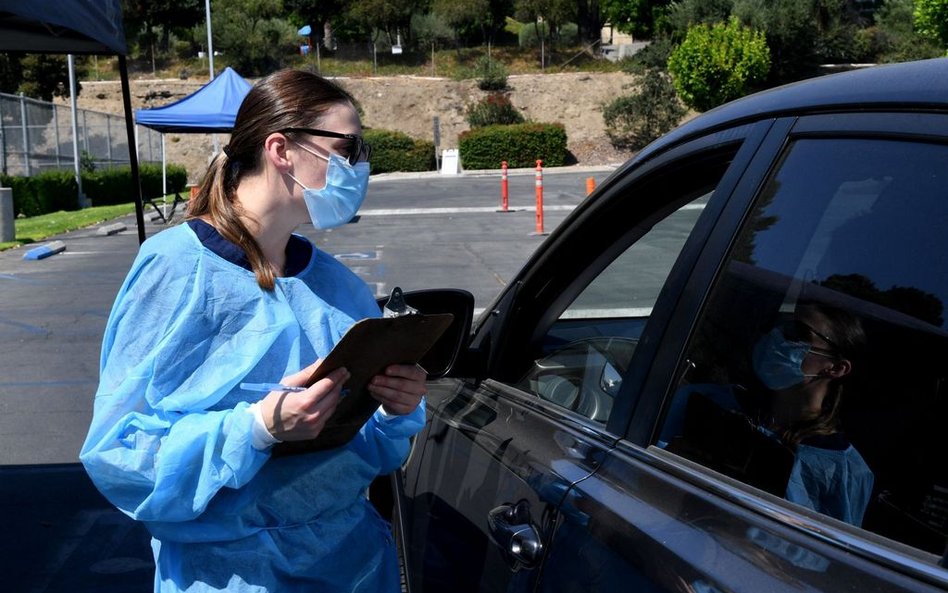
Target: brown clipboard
[(366, 349)]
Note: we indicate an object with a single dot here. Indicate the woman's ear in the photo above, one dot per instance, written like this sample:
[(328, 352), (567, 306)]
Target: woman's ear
[(275, 152), (840, 369)]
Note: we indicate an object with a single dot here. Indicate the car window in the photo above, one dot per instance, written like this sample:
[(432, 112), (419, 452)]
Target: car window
[(817, 369), (591, 344)]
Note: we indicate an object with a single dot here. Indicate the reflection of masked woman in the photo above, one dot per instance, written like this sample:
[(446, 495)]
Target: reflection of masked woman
[(804, 363)]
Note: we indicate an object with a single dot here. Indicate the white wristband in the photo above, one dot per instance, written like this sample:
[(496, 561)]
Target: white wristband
[(261, 437)]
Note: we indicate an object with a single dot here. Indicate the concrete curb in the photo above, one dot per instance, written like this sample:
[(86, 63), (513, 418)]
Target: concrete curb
[(44, 251), (111, 229)]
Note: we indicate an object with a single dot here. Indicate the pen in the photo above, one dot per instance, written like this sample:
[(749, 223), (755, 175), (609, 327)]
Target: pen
[(270, 387)]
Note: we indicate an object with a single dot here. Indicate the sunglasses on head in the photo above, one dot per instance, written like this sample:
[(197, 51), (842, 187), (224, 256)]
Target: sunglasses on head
[(356, 148)]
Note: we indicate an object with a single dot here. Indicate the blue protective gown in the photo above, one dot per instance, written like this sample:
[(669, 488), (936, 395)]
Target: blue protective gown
[(828, 474), (170, 441)]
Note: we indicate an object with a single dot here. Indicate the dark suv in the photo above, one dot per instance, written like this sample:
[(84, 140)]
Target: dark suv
[(725, 371)]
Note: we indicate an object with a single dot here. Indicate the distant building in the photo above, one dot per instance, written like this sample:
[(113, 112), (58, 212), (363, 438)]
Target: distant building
[(617, 45)]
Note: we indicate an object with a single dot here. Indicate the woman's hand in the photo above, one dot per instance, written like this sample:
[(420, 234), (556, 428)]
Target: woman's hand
[(299, 416), (400, 388)]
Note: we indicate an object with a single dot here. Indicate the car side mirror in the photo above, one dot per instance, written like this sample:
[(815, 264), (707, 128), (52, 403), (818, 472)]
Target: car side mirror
[(439, 360)]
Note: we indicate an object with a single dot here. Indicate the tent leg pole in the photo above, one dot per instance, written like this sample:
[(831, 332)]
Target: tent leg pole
[(132, 149)]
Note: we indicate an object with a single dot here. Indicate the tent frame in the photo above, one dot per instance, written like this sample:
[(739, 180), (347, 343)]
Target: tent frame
[(22, 31)]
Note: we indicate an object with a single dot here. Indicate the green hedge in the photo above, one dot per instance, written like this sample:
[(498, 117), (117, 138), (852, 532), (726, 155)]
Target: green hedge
[(520, 145), (52, 191), (395, 151), (114, 186)]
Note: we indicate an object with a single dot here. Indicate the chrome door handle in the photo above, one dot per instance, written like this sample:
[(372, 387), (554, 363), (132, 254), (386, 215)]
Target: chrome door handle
[(510, 527)]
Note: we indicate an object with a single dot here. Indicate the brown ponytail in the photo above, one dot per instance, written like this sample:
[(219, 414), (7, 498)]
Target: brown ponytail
[(284, 99)]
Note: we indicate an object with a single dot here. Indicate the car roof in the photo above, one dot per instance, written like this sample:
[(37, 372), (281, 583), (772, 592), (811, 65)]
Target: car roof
[(909, 86)]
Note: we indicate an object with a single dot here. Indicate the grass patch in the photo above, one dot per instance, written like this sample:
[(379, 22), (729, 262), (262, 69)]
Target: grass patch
[(37, 228)]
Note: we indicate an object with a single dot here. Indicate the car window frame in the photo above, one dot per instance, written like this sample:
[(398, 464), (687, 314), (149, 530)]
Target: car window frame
[(670, 363), (507, 328)]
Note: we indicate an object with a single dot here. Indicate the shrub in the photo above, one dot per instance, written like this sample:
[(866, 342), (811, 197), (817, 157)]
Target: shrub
[(520, 145), (491, 74), (494, 109), (715, 64), (634, 120), (653, 55), (931, 19), (114, 186), (395, 151), (49, 191)]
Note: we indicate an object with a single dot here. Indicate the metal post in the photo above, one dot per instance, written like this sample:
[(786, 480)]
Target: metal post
[(108, 134), (85, 132), (26, 136), (210, 43), (132, 149), (3, 142), (80, 198), (56, 128)]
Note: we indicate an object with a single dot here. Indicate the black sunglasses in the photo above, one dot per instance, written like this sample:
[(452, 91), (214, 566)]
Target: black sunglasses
[(356, 149), (798, 331)]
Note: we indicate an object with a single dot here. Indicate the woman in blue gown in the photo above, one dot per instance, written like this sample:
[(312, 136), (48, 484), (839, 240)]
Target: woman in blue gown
[(234, 296)]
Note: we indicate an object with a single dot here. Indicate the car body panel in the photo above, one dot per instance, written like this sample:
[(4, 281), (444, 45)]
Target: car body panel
[(627, 514)]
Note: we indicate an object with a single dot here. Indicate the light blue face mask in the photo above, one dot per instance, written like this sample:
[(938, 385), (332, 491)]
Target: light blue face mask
[(335, 204), (778, 362)]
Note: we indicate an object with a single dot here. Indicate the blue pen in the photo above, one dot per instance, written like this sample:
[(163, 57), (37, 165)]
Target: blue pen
[(270, 387)]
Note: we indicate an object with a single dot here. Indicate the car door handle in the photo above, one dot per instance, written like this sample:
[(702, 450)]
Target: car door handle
[(510, 527)]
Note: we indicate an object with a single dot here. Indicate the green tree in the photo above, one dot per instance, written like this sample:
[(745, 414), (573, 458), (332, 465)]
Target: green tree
[(316, 14), (634, 120), (792, 33), (392, 17), (251, 35), (715, 64), (896, 36), (931, 19), (157, 19), (680, 16), (44, 76), (462, 16), (636, 17), (553, 12)]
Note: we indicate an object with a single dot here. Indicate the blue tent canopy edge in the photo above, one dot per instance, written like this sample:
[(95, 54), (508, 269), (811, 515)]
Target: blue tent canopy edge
[(212, 108)]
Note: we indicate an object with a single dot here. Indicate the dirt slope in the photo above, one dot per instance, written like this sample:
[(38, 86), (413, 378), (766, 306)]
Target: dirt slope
[(409, 104)]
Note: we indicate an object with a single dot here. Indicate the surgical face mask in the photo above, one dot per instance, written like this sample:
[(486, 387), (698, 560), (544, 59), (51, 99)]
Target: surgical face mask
[(778, 362), (335, 204)]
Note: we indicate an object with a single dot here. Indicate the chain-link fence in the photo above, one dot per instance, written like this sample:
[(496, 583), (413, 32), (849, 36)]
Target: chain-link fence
[(36, 136)]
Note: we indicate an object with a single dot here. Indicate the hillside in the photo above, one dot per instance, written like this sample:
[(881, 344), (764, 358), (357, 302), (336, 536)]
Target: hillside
[(408, 104)]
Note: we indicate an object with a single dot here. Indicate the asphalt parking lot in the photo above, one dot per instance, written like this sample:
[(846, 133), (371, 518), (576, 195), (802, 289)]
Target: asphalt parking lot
[(419, 231)]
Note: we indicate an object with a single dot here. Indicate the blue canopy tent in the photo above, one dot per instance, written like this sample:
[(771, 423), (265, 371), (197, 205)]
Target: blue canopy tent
[(74, 27), (210, 109)]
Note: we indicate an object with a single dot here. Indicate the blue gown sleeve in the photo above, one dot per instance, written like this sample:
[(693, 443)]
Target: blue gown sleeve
[(390, 436), (154, 448)]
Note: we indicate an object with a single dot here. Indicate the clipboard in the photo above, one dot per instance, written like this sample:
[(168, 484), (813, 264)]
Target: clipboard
[(366, 349)]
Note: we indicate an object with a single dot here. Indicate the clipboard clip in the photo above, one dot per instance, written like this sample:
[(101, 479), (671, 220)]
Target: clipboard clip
[(396, 305)]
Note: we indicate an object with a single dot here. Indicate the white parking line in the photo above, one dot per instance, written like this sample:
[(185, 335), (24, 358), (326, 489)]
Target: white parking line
[(471, 210)]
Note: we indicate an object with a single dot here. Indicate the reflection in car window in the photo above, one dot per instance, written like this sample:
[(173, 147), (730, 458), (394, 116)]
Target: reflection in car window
[(592, 343), (817, 371)]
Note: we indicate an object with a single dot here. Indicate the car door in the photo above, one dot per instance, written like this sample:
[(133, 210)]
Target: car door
[(850, 216), (548, 393)]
